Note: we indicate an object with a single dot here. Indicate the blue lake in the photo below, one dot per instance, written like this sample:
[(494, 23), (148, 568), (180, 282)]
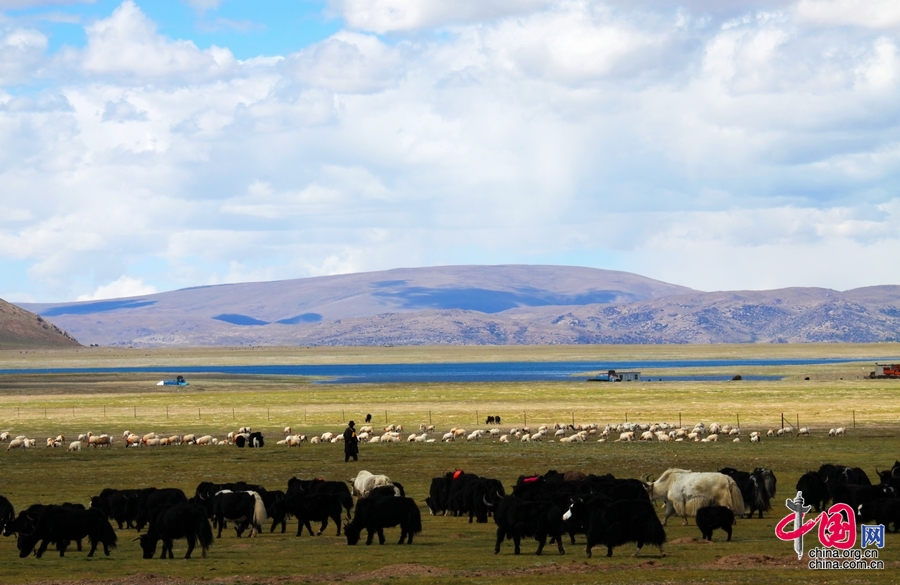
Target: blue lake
[(458, 372)]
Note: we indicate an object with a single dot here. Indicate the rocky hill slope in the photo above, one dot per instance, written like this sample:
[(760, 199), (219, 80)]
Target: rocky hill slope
[(21, 329)]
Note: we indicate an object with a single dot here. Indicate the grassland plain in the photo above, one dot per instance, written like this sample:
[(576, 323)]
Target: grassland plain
[(449, 550)]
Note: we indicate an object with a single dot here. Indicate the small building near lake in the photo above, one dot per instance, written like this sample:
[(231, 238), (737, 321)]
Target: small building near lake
[(614, 376)]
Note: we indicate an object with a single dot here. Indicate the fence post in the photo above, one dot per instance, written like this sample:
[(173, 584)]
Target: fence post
[(524, 419), (268, 416), (429, 417), (385, 417), (343, 418), (198, 415), (167, 411), (738, 420), (135, 411), (679, 419), (854, 419)]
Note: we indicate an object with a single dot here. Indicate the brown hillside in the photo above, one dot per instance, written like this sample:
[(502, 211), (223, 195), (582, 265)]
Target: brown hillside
[(22, 329)]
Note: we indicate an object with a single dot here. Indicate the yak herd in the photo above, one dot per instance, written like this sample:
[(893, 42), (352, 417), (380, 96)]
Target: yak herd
[(553, 507)]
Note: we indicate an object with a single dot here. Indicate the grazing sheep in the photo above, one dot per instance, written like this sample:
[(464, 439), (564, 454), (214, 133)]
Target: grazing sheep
[(17, 443)]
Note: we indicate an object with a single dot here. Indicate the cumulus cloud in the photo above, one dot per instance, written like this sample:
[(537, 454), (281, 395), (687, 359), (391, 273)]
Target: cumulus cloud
[(122, 111), (21, 53), (346, 62), (383, 16), (746, 140), (13, 4), (127, 46), (876, 14), (125, 286)]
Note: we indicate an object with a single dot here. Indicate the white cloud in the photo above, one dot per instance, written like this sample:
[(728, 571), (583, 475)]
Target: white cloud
[(666, 141), (346, 62), (127, 45), (403, 15), (125, 286), (122, 111), (876, 14), (574, 43), (203, 5), (14, 4), (21, 53)]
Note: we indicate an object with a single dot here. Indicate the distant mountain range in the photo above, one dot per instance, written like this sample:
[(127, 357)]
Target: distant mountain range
[(479, 305)]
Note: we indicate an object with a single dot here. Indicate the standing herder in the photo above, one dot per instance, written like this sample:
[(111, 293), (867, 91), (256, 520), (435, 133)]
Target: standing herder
[(351, 443)]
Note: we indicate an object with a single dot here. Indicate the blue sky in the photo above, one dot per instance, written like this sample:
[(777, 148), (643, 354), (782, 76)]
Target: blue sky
[(149, 146), (248, 29)]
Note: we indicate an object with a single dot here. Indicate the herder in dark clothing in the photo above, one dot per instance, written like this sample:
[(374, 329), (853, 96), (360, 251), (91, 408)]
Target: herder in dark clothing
[(351, 443)]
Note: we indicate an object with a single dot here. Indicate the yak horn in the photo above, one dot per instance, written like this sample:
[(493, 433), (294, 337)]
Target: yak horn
[(895, 470), (645, 478), (136, 539)]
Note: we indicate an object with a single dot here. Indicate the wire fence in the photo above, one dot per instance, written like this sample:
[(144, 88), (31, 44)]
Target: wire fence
[(411, 418)]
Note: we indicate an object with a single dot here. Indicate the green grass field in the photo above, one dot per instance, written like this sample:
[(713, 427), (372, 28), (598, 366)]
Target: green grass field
[(449, 550)]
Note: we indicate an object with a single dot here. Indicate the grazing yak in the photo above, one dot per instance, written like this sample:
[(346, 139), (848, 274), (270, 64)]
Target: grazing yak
[(614, 523), (684, 492), (366, 481), (516, 518), (338, 489), (308, 507), (7, 515), (376, 514), (242, 508), (169, 523), (757, 488), (62, 525), (711, 517), (119, 505), (815, 492), (151, 498), (884, 511)]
